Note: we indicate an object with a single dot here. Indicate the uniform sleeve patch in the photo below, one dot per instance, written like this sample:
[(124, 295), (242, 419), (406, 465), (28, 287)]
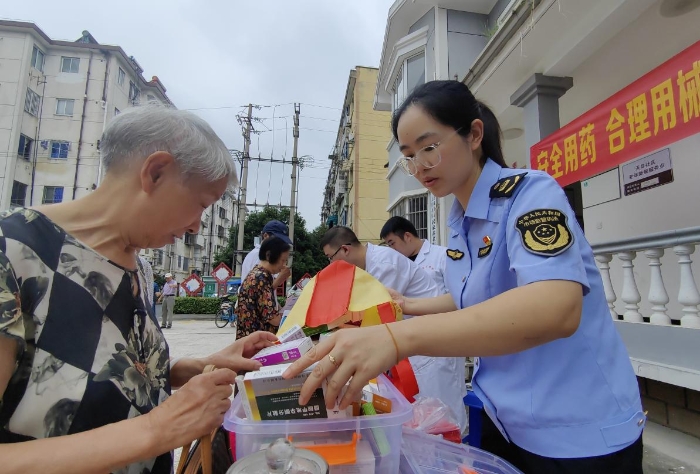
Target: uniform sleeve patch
[(544, 232), (505, 187), (455, 254)]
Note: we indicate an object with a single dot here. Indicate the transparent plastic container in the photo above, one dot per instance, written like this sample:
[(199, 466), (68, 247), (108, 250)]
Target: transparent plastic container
[(427, 454), (364, 439)]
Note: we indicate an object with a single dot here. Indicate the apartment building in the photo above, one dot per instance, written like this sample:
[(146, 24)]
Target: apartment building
[(356, 189), (56, 98)]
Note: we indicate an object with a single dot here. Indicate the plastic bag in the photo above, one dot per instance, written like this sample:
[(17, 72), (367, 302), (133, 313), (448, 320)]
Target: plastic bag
[(432, 416)]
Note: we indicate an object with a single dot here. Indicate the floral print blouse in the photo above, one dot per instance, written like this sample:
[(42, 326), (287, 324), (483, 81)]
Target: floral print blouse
[(90, 350), (257, 303)]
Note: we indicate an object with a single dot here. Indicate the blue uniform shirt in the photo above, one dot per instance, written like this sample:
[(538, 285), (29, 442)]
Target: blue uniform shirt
[(569, 398)]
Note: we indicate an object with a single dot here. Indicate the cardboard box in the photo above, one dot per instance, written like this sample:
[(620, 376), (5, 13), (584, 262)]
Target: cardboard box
[(267, 396), (284, 353), (291, 334)]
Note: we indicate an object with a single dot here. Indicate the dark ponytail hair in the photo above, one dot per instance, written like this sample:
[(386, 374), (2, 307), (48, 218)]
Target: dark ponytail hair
[(452, 104)]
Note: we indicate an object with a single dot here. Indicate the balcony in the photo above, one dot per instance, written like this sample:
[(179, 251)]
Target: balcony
[(656, 311)]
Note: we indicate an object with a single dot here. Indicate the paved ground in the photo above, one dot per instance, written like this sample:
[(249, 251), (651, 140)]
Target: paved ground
[(665, 451)]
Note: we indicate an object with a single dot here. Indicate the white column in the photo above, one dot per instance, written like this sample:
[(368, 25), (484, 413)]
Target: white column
[(688, 295), (658, 297), (630, 293), (604, 260)]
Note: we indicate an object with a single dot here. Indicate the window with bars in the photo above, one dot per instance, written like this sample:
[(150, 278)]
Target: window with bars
[(418, 214), (25, 147), (415, 209), (52, 194), (31, 102)]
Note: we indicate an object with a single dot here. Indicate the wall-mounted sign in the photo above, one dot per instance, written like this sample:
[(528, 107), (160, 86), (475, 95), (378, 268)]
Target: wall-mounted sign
[(658, 109), (648, 172)]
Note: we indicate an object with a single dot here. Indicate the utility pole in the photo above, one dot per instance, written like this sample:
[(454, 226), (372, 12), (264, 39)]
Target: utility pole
[(244, 188), (295, 163)]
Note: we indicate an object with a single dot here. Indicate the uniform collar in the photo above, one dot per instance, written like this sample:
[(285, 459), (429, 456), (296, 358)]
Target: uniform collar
[(479, 201), (425, 248)]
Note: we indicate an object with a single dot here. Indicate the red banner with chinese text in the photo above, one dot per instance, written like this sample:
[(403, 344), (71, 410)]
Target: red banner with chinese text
[(660, 108)]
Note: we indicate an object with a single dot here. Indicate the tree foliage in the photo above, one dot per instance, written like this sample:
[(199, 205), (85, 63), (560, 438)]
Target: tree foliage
[(308, 256)]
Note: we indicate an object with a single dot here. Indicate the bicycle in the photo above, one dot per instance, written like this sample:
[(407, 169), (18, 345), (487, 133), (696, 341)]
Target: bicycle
[(225, 314)]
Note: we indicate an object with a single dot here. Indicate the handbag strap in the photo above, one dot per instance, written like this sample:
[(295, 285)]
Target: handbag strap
[(204, 445)]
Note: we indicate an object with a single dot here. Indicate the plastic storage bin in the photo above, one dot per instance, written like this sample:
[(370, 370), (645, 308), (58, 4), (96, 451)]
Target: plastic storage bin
[(427, 454), (349, 445)]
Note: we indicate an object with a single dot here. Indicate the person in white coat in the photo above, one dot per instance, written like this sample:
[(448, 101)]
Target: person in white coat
[(437, 377), (401, 235)]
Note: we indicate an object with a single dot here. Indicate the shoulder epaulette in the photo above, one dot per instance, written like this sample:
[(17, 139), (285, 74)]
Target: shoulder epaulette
[(505, 187)]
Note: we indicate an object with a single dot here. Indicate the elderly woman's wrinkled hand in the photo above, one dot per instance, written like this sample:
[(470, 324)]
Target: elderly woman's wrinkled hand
[(358, 353), (237, 356), (196, 409)]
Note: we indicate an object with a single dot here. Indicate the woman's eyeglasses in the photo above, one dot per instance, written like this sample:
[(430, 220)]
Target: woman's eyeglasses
[(428, 157)]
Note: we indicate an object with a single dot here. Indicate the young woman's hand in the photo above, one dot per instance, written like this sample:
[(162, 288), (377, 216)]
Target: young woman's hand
[(359, 353)]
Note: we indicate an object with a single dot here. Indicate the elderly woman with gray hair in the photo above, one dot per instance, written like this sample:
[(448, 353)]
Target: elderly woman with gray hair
[(85, 372)]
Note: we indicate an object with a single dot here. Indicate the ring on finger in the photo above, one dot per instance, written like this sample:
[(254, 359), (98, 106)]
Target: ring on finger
[(333, 360)]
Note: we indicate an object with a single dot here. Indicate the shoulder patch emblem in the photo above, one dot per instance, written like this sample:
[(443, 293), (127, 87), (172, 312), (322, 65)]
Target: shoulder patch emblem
[(455, 254), (505, 187), (544, 232)]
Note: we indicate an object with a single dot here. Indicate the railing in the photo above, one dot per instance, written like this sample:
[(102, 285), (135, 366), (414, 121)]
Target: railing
[(681, 243)]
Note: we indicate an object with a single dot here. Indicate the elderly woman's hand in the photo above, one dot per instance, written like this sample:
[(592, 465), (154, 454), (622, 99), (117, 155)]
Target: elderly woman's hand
[(196, 409), (237, 356)]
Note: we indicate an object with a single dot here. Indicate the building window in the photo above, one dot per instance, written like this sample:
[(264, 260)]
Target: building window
[(31, 102), (411, 75), (222, 212), (59, 149), (70, 65), (179, 262), (65, 107), (349, 215), (52, 194), (38, 59), (134, 92), (19, 194), (186, 263), (25, 147), (220, 231), (151, 98), (158, 257), (120, 77), (116, 111), (415, 209)]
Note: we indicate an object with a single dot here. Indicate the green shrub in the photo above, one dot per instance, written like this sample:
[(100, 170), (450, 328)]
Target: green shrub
[(191, 305)]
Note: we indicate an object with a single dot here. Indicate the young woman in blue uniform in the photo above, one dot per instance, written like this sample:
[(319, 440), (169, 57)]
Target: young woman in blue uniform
[(525, 297)]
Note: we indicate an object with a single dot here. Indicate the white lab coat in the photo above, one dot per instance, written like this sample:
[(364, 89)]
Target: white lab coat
[(437, 377), (433, 259)]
